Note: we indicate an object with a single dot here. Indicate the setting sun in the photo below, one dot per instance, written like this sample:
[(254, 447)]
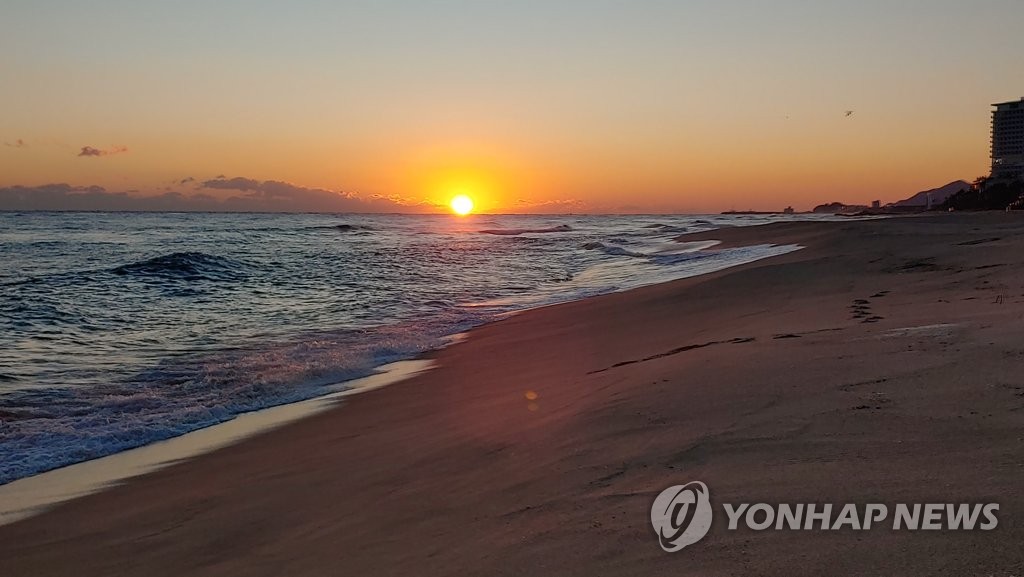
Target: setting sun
[(462, 205)]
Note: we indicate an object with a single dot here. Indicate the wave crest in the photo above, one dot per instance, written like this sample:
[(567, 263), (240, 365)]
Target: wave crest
[(190, 266), (611, 249), (517, 231)]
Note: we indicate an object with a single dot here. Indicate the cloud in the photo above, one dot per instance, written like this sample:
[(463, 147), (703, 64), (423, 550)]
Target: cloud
[(557, 206), (59, 197), (225, 195), (17, 144), (90, 151), (279, 196), (238, 194), (238, 183)]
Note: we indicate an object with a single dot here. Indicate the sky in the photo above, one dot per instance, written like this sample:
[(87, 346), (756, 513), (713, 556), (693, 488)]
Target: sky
[(526, 106)]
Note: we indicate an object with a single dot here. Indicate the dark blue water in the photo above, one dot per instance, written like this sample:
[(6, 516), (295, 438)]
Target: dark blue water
[(119, 329)]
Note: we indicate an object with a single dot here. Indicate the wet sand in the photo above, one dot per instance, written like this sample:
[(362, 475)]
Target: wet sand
[(880, 364)]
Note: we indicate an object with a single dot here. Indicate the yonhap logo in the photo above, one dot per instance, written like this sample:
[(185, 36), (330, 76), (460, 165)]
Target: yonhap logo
[(681, 515)]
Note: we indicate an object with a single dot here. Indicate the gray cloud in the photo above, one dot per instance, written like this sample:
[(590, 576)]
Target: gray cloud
[(256, 196), (237, 194), (91, 151), (278, 196), (237, 183), (67, 197)]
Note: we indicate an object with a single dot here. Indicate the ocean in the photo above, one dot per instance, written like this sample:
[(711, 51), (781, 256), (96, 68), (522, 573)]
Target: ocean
[(121, 329)]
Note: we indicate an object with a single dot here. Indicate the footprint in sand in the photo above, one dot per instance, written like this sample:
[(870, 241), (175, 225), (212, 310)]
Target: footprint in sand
[(861, 309)]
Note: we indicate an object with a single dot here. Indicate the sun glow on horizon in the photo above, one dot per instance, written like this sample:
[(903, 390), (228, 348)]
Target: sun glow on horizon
[(462, 205)]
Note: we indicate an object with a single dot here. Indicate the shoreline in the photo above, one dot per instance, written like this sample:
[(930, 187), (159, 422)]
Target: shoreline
[(53, 486), (536, 446), (34, 495)]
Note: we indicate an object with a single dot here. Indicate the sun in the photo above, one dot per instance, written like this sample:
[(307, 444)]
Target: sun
[(462, 205)]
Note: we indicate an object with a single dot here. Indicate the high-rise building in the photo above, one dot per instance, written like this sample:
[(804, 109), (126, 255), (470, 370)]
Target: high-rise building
[(1008, 139)]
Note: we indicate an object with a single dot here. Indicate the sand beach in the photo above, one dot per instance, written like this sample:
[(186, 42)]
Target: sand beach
[(880, 363)]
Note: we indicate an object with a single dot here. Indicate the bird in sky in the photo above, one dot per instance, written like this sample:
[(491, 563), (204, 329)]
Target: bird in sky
[(849, 113)]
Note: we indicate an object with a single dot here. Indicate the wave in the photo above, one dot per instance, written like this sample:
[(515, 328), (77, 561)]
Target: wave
[(47, 428), (518, 231), (30, 280), (657, 253), (344, 227), (668, 228), (189, 266), (611, 249)]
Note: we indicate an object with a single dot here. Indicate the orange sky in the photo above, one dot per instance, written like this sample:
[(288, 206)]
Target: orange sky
[(572, 106)]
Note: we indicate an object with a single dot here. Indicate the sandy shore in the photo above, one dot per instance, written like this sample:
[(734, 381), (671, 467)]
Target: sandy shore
[(32, 495), (795, 392)]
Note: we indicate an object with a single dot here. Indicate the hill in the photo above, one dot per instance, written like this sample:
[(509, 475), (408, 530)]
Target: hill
[(938, 195)]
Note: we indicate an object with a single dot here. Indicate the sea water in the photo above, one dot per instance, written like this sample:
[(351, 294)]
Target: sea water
[(120, 329)]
